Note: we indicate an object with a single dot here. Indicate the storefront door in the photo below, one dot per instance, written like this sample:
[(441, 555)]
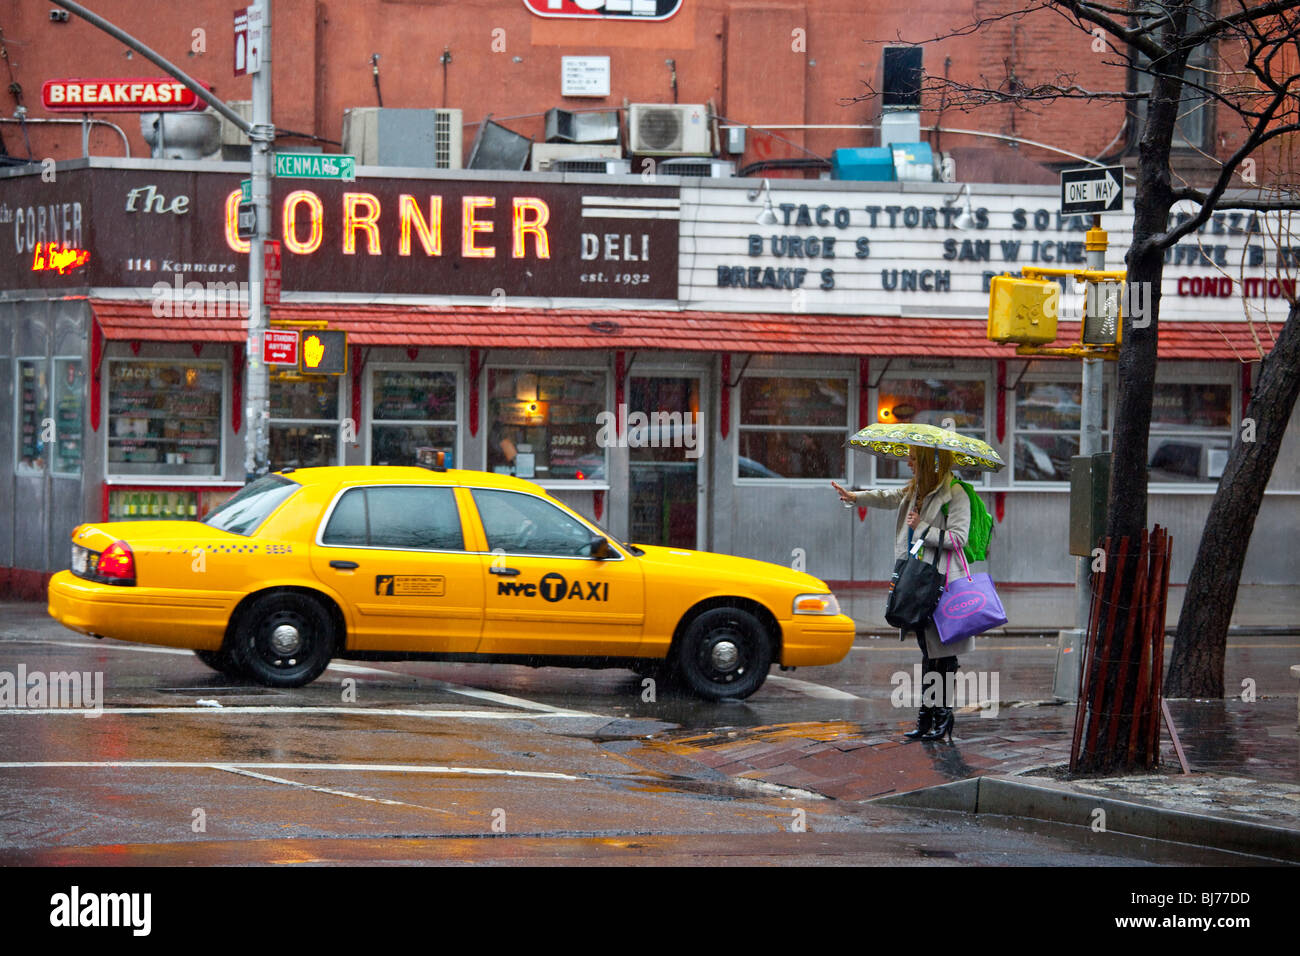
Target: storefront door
[(665, 439)]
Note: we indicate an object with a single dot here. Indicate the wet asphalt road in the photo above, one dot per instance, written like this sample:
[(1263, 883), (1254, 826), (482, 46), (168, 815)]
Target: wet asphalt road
[(491, 764)]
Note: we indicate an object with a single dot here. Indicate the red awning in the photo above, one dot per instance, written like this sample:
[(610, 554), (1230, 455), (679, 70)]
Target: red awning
[(136, 321), (483, 327)]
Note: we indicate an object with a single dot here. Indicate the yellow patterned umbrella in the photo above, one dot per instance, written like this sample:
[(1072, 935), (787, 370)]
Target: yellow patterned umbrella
[(892, 440)]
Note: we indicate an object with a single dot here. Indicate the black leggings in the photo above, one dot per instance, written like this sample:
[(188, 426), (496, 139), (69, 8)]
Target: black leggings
[(943, 666)]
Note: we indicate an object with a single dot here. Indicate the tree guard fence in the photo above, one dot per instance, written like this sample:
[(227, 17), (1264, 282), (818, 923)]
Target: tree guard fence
[(1117, 725)]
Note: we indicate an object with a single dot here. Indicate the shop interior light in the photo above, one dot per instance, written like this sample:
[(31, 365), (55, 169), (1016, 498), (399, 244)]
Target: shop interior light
[(526, 388), (768, 216)]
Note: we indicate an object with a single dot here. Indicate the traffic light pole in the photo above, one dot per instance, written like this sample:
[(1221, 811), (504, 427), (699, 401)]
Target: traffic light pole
[(257, 388), (1091, 415)]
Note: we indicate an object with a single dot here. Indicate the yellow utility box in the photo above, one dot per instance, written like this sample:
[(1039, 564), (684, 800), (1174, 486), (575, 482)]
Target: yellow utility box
[(1023, 310)]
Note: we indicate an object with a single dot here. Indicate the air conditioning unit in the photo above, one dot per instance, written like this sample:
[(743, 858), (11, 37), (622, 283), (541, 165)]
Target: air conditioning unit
[(680, 129), (545, 155), (597, 126), (400, 137), (706, 168), (232, 135), (601, 167)]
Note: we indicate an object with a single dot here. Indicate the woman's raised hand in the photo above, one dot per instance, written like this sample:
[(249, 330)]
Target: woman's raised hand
[(846, 496)]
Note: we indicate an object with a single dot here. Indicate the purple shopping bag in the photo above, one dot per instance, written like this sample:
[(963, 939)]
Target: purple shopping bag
[(969, 606)]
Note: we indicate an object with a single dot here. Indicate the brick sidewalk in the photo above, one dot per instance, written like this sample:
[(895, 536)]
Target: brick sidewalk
[(848, 761)]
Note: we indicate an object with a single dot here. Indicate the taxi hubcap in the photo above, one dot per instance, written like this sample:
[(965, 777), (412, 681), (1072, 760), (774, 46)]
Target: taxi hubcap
[(285, 639), (725, 655)]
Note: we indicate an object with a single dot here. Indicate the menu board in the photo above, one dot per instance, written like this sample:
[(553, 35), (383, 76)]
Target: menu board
[(164, 417), (421, 395), (33, 402), (69, 403)]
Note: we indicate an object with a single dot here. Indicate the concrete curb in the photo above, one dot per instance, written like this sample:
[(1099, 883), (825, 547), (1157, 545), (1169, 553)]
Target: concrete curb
[(1244, 630), (1059, 803)]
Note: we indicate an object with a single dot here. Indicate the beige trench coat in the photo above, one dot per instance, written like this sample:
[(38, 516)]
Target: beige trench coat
[(931, 520)]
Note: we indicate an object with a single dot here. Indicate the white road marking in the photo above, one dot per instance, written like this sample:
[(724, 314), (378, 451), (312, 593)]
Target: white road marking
[(101, 645), (223, 711), (342, 667), (819, 691), (337, 793), (230, 765), (487, 695)]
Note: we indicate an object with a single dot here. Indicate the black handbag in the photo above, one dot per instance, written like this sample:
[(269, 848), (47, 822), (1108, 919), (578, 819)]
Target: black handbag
[(915, 589)]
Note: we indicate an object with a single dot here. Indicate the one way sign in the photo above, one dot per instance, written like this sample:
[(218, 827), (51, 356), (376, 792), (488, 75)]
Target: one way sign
[(1095, 189)]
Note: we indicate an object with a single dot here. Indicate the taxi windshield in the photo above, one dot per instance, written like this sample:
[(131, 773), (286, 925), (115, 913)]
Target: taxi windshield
[(246, 511)]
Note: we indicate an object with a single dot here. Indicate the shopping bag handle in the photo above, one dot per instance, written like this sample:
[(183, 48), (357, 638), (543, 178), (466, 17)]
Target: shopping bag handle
[(961, 553)]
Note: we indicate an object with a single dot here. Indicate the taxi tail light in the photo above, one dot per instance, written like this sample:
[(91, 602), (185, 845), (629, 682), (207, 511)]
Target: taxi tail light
[(117, 564)]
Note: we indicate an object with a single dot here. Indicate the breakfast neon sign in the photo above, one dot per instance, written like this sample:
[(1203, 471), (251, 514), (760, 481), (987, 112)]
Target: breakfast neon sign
[(302, 224), (113, 95)]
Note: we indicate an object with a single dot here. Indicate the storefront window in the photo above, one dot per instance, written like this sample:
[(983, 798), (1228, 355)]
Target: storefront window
[(1048, 420), (412, 409), (793, 427), (34, 447), (945, 403), (1191, 432), (545, 424), (164, 417), (304, 423), (69, 404)]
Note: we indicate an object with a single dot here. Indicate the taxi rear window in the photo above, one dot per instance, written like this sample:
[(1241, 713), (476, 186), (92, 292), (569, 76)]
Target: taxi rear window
[(245, 512), (410, 518)]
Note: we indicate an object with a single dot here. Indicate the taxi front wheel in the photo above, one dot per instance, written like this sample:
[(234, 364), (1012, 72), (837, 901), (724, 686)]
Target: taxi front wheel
[(725, 654), (284, 639)]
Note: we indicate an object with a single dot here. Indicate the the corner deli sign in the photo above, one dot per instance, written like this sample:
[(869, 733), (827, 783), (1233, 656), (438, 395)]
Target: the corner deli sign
[(118, 96), (605, 9)]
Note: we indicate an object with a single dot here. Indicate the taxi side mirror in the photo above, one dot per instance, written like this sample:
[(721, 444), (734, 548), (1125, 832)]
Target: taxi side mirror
[(599, 547)]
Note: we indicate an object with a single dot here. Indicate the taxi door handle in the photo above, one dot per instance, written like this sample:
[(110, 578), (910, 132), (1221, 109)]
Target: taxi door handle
[(508, 572), (344, 565)]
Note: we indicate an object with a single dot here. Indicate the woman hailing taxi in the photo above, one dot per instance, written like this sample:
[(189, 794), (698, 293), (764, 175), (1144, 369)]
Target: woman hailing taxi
[(933, 507)]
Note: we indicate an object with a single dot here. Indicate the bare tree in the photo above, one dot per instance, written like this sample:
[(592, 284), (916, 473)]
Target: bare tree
[(1256, 79)]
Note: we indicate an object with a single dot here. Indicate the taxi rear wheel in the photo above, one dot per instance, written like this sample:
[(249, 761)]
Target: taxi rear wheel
[(284, 639), (724, 654)]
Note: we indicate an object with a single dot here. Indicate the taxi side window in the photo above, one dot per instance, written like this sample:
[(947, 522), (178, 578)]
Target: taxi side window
[(521, 524), (409, 518)]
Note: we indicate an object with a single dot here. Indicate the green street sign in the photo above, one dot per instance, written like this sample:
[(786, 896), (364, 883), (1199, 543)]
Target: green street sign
[(245, 190), (316, 166)]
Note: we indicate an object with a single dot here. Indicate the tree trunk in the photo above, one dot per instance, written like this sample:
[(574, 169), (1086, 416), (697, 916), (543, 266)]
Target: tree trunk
[(1197, 666), (1127, 506)]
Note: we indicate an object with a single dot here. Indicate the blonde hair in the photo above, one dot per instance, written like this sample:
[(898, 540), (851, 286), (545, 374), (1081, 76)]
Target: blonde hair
[(933, 469)]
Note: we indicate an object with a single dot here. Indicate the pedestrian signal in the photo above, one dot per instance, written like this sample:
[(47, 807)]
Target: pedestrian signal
[(323, 352), (1023, 311)]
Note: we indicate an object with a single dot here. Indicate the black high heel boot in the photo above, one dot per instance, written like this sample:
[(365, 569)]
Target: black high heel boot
[(944, 718), (924, 721)]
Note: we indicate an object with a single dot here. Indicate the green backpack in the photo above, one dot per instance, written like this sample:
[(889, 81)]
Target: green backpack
[(981, 524)]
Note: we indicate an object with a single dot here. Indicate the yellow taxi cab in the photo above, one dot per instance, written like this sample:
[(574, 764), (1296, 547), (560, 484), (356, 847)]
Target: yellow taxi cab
[(407, 563)]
